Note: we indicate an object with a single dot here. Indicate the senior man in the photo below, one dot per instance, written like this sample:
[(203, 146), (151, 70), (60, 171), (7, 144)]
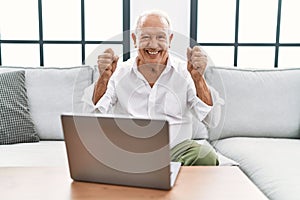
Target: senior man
[(154, 84)]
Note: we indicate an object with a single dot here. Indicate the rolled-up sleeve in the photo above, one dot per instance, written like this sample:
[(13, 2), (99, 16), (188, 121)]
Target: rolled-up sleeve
[(209, 115), (106, 102), (213, 117), (87, 99)]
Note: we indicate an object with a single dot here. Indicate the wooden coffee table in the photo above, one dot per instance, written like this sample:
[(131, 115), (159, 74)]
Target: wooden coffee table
[(26, 183)]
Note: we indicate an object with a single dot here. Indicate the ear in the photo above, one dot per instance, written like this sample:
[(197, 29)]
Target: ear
[(133, 36), (170, 39)]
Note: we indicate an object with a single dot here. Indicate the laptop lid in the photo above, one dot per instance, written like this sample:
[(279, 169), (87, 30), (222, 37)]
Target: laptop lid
[(119, 150)]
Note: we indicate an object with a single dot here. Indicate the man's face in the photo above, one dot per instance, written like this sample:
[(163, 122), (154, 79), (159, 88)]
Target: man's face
[(152, 40)]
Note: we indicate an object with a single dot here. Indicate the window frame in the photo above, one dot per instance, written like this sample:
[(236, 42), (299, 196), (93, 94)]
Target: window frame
[(125, 42), (237, 44), (126, 34)]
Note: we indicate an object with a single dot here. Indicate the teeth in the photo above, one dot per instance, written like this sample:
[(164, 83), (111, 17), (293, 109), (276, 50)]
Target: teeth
[(153, 52)]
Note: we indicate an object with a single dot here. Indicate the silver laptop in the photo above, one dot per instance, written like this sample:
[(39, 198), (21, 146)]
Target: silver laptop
[(119, 150)]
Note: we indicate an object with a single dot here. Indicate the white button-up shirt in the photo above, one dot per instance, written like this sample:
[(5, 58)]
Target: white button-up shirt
[(172, 97)]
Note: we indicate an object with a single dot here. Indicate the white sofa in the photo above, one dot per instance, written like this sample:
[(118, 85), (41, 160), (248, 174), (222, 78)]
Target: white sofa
[(50, 91), (259, 128)]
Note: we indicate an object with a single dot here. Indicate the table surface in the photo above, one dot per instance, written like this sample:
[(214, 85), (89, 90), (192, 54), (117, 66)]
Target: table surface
[(202, 182)]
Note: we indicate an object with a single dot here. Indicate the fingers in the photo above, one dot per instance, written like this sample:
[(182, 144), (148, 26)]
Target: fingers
[(198, 54), (109, 51), (197, 59), (107, 55), (199, 62), (104, 60), (104, 65), (196, 48), (107, 61)]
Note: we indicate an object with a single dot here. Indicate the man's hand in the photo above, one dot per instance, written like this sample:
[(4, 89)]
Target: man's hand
[(107, 63), (197, 62)]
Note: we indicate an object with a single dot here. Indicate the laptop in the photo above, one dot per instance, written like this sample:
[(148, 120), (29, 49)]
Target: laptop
[(119, 150)]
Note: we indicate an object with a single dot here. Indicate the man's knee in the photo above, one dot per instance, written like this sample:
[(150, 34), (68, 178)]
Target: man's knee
[(206, 155), (199, 154)]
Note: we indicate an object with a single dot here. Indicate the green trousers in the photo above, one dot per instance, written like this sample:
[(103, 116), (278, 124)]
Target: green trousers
[(189, 153)]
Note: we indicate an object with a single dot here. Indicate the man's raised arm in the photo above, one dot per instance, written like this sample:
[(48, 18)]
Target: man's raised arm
[(197, 62), (107, 63)]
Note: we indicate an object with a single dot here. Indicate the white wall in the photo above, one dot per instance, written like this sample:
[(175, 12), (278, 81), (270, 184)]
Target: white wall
[(178, 11)]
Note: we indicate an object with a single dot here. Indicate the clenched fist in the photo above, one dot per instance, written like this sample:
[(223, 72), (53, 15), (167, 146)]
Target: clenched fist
[(107, 63), (197, 61)]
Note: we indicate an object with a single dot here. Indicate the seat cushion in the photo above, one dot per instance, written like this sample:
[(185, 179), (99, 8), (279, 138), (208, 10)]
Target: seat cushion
[(41, 154), (272, 164)]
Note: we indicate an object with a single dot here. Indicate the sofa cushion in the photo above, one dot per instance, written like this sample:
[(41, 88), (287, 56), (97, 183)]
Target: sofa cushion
[(16, 124), (272, 164), (41, 154), (53, 91), (258, 103)]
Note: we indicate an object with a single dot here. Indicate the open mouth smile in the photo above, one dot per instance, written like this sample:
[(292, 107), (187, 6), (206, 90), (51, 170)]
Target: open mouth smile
[(151, 52)]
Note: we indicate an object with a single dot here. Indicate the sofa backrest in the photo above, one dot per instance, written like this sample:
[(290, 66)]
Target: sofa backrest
[(51, 92), (258, 103)]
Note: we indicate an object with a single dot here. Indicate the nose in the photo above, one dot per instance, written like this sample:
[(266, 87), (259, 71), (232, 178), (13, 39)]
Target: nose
[(153, 43)]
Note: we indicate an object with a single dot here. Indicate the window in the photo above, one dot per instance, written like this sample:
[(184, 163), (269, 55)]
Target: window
[(216, 23), (289, 51), (257, 21), (256, 57), (290, 32), (62, 55), (61, 20), (263, 34), (289, 57), (103, 22), (59, 32), (67, 33), (20, 54), (220, 55), (19, 22)]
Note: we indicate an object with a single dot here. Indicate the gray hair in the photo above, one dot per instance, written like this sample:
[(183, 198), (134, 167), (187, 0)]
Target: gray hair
[(156, 13)]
